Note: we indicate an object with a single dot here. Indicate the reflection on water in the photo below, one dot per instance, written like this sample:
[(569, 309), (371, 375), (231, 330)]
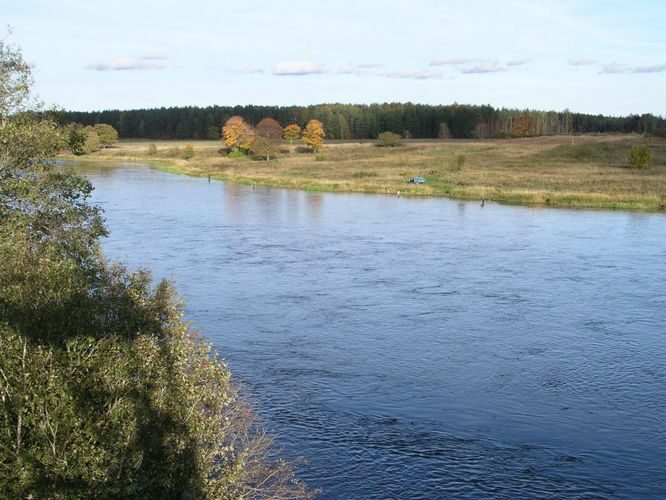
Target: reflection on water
[(271, 206), (422, 348)]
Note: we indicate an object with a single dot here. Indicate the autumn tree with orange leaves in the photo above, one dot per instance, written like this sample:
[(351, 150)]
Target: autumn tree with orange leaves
[(267, 138), (237, 134), (523, 126), (313, 135)]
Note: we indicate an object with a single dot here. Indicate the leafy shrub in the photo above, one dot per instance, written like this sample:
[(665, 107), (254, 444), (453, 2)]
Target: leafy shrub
[(152, 150), (389, 140), (188, 152), (92, 142), (237, 154), (75, 140), (640, 157), (107, 134), (265, 147), (111, 395)]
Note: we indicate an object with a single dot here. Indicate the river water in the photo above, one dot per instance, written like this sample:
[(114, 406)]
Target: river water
[(421, 348)]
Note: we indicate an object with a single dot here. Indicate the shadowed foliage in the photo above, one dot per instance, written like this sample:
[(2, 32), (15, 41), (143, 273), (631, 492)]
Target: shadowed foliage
[(104, 391)]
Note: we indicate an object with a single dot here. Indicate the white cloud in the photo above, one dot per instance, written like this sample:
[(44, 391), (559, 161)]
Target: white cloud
[(656, 68), (412, 74), (450, 62), (613, 68), (358, 68), (484, 67), (251, 70), (369, 65), (130, 64), (618, 68), (152, 56), (581, 62), (517, 62), (349, 69), (479, 65), (297, 68)]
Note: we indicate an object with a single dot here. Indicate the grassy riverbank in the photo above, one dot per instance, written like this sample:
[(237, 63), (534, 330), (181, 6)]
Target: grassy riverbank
[(583, 171)]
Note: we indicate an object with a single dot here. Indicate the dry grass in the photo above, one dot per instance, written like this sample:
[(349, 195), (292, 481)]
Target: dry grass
[(583, 171)]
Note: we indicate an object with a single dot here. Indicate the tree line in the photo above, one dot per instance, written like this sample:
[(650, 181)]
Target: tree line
[(361, 121)]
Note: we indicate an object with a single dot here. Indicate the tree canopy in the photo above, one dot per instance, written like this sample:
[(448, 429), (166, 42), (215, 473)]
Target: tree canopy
[(268, 136), (15, 81), (313, 135), (292, 133), (106, 133), (237, 134)]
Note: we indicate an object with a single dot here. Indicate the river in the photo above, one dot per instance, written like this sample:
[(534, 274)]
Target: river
[(421, 348)]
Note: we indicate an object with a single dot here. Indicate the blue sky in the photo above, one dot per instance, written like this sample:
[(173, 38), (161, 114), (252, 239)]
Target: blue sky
[(590, 56)]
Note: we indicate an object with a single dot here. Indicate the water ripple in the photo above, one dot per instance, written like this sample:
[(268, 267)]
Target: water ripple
[(422, 348)]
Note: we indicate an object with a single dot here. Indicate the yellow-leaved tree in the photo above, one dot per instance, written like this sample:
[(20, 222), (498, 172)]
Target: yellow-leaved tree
[(313, 135), (292, 133), (237, 134)]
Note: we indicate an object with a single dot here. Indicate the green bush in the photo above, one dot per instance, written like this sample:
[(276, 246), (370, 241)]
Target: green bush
[(106, 392), (92, 142), (389, 140), (237, 154), (107, 134), (75, 139), (320, 158), (640, 157)]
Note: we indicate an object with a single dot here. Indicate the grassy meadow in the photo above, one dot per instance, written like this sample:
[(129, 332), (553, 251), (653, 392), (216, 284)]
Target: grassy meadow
[(564, 171)]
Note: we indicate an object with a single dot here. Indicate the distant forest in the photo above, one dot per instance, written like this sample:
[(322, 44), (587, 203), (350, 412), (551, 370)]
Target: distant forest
[(360, 121)]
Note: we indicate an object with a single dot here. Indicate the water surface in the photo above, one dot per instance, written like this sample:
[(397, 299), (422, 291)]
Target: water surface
[(414, 348)]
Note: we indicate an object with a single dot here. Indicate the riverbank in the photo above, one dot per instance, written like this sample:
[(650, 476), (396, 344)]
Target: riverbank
[(561, 171)]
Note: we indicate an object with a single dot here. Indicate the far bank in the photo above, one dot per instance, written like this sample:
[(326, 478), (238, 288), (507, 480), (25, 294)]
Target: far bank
[(560, 171)]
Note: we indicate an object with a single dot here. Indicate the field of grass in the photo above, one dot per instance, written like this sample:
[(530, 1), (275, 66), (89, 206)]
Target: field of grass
[(565, 171)]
